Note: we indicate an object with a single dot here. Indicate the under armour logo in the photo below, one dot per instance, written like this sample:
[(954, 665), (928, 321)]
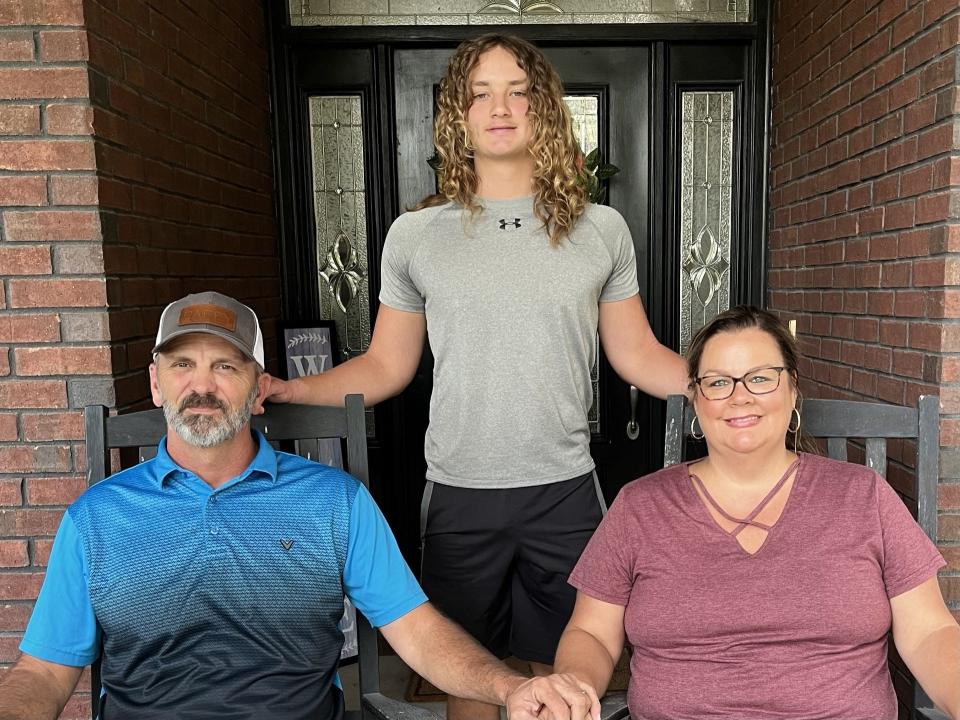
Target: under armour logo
[(286, 544), (504, 223)]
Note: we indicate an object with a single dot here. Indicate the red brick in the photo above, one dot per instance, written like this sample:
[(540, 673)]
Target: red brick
[(73, 190), (54, 490), (67, 119), (63, 361), (13, 553), (29, 328), (929, 273), (894, 333), (39, 427), (916, 181), (13, 618), (10, 492), (57, 45), (949, 493), (934, 208), (33, 394), (34, 458), (22, 190), (16, 45), (30, 260), (43, 83), (41, 551), (936, 140), (46, 155), (8, 427), (925, 336), (57, 293), (899, 215), (42, 12), (19, 119), (20, 586), (52, 225)]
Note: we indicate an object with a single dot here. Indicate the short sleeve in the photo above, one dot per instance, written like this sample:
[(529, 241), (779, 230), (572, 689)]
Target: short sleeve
[(909, 557), (397, 289), (63, 628), (622, 282), (375, 576), (605, 569)]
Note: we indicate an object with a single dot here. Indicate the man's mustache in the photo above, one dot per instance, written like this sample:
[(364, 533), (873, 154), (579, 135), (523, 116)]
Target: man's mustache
[(202, 401)]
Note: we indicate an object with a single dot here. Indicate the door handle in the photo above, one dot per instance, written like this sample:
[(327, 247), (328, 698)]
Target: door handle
[(633, 429)]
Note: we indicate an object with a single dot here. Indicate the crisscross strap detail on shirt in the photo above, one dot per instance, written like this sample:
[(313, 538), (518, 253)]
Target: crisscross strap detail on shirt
[(749, 519)]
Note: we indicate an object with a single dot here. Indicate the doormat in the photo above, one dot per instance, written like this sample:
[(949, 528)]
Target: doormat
[(420, 690)]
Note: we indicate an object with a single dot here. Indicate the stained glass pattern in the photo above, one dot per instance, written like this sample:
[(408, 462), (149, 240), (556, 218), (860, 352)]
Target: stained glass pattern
[(706, 208), (513, 12)]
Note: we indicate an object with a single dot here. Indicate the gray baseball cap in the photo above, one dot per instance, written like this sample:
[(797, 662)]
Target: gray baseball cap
[(214, 314)]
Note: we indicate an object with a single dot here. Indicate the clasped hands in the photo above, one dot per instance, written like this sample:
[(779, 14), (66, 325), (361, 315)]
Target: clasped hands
[(554, 697)]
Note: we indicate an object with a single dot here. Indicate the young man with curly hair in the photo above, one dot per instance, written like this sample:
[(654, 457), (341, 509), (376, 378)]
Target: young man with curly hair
[(512, 271)]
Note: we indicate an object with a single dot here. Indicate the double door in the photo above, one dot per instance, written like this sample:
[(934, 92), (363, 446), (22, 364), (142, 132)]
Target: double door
[(676, 118)]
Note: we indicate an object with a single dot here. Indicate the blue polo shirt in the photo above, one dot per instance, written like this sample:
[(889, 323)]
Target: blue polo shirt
[(218, 603)]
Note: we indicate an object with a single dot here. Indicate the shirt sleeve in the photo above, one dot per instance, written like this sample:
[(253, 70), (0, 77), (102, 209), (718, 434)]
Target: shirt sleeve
[(909, 557), (605, 569), (622, 282), (397, 289), (63, 628), (376, 577)]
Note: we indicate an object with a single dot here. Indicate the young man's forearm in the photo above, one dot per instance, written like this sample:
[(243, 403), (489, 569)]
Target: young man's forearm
[(361, 374)]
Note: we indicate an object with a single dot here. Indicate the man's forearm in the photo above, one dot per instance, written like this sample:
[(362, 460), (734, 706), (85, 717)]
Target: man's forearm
[(582, 655), (449, 658), (29, 694)]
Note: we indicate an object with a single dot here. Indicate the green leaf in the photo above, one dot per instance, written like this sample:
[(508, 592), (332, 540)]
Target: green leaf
[(598, 197), (591, 160), (607, 171)]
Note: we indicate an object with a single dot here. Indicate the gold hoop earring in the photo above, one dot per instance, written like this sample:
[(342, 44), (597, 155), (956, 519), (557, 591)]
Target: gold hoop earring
[(693, 433), (795, 413)]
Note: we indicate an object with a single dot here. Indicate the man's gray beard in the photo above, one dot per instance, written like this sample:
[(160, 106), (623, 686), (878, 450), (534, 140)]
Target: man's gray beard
[(206, 431)]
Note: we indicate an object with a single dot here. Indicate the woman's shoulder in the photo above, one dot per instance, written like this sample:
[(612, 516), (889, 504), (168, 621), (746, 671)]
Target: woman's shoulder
[(656, 483), (823, 466)]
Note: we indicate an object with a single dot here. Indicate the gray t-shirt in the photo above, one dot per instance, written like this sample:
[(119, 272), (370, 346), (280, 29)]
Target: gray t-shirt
[(512, 325)]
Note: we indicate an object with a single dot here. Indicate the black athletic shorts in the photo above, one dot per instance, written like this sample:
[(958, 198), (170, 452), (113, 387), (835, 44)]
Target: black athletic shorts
[(497, 561)]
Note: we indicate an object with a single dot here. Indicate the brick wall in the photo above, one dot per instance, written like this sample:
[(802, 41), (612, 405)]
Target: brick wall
[(134, 167), (180, 95), (52, 293), (865, 212)]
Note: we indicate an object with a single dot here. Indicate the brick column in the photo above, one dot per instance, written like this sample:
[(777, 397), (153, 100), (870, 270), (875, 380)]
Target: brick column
[(865, 200), (54, 356), (135, 166)]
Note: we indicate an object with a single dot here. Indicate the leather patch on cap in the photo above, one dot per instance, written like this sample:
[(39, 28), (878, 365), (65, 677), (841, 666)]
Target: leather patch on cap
[(209, 315)]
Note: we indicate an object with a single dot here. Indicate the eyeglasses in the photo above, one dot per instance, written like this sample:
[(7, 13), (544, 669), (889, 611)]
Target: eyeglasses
[(757, 382)]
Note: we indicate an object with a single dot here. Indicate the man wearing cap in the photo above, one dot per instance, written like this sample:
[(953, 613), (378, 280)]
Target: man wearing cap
[(211, 578)]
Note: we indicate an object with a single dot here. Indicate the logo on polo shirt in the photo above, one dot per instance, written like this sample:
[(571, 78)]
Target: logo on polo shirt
[(286, 544), (504, 223)]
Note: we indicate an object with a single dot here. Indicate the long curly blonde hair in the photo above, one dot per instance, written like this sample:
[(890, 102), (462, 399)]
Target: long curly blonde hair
[(560, 198)]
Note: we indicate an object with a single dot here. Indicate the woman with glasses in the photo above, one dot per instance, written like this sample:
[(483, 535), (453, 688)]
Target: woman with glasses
[(760, 581)]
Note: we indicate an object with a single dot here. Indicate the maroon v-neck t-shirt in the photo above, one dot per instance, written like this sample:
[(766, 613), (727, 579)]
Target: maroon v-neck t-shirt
[(796, 630)]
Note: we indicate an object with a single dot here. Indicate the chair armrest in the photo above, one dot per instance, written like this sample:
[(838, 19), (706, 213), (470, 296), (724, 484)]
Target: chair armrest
[(930, 714), (613, 706), (384, 708)]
